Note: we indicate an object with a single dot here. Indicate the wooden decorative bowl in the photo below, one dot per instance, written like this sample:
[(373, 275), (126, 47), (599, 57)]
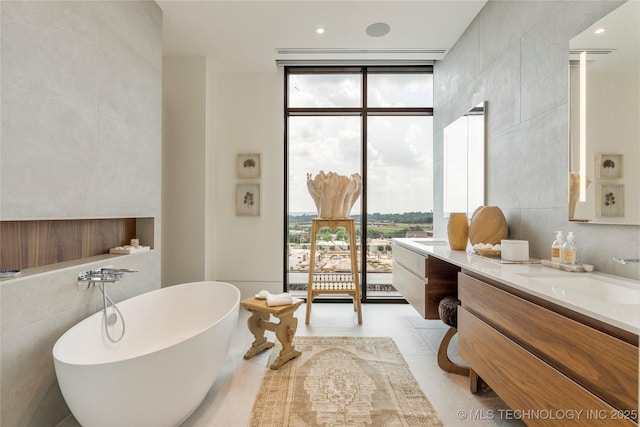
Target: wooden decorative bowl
[(488, 252)]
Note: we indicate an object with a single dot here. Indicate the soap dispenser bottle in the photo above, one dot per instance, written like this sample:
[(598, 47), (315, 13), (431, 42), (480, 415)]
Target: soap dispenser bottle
[(557, 247), (570, 252)]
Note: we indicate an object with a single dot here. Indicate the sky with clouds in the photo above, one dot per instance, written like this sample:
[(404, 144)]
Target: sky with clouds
[(399, 152)]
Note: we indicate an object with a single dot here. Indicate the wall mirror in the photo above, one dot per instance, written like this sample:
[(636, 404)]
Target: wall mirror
[(604, 129), (463, 155)]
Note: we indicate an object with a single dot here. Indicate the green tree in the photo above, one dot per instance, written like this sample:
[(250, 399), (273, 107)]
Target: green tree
[(374, 233), (342, 235)]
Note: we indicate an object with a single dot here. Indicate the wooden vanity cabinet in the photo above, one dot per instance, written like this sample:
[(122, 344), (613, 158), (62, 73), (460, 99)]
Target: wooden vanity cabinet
[(543, 359), (423, 281)]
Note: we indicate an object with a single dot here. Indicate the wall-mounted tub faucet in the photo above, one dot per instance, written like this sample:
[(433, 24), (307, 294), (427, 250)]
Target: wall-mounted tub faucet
[(100, 277), (627, 260), (88, 279)]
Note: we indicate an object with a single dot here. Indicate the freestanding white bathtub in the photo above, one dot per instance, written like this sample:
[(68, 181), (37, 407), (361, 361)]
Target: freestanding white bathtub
[(175, 342)]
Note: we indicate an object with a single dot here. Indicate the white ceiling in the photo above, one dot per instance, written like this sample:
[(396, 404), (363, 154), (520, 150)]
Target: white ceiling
[(621, 38), (241, 35)]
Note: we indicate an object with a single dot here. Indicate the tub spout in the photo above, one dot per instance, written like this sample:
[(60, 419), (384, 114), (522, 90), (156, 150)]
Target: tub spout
[(110, 270)]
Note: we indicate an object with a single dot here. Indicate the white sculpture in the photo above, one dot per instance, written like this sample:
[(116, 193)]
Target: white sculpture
[(333, 194)]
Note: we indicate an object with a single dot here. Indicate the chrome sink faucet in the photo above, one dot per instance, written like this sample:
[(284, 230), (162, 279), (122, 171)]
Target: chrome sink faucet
[(627, 260)]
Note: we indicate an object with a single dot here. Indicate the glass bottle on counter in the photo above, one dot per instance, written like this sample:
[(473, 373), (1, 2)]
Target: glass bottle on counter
[(557, 247), (570, 250)]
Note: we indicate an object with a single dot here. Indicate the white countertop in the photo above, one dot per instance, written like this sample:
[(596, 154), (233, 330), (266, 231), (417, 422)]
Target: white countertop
[(610, 299)]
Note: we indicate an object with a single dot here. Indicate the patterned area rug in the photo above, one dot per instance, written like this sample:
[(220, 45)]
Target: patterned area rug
[(342, 381)]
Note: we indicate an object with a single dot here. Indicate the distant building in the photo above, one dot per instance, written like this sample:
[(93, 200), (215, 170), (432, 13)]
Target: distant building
[(419, 233)]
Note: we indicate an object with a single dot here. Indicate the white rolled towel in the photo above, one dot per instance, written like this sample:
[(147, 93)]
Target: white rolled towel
[(279, 299), (262, 294)]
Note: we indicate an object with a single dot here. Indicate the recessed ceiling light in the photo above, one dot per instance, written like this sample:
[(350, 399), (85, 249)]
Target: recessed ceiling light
[(320, 30), (600, 30), (378, 29)]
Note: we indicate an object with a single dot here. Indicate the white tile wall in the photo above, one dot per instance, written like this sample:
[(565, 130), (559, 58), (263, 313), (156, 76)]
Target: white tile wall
[(82, 107), (515, 56), (81, 137)]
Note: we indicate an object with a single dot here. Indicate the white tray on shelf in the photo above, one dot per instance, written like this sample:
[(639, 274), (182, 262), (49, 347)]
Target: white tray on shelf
[(126, 250)]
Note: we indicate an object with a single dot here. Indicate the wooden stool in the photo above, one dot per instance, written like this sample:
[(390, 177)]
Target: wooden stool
[(320, 283), (448, 311), (285, 329)]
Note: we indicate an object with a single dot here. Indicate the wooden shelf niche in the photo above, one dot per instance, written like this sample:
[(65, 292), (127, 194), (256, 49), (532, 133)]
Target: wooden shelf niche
[(35, 243)]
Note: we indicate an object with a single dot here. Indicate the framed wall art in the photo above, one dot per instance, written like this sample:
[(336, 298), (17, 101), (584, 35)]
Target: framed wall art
[(248, 199), (610, 200), (248, 165), (609, 166)]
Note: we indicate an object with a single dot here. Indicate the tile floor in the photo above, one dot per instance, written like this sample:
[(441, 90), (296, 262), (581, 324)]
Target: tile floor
[(229, 402)]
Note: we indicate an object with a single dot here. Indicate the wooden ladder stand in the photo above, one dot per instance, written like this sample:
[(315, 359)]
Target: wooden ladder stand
[(334, 283)]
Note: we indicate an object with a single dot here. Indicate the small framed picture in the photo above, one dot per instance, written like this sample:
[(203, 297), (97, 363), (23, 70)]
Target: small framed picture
[(610, 200), (248, 166), (248, 199), (609, 166)]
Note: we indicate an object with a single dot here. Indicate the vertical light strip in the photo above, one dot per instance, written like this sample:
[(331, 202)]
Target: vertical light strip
[(583, 126)]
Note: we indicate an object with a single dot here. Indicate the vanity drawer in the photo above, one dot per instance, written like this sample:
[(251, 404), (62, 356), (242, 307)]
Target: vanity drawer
[(526, 383), (411, 287), (410, 260), (423, 281), (599, 362)]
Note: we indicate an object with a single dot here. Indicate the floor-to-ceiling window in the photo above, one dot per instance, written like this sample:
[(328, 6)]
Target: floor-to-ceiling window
[(373, 121)]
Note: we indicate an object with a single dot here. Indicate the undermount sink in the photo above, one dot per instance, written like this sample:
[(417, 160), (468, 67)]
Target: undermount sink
[(594, 286)]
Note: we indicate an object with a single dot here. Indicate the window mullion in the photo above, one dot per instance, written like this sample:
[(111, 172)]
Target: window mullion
[(363, 210)]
